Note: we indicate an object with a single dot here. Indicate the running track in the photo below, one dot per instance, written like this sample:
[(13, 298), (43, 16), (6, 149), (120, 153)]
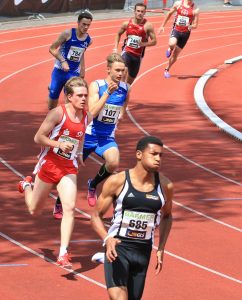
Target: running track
[(203, 253)]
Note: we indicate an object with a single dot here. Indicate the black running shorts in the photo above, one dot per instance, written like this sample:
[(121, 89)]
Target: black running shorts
[(129, 269), (182, 37), (132, 62)]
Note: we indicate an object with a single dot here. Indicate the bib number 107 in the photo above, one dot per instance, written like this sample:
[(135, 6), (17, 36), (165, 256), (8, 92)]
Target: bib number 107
[(137, 224)]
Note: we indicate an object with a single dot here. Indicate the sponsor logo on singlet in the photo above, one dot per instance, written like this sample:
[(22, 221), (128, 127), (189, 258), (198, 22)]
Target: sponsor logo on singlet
[(148, 196)]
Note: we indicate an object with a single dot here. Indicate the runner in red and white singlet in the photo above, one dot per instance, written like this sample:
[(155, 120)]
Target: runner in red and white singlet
[(135, 34), (65, 131), (139, 34), (61, 136), (186, 19)]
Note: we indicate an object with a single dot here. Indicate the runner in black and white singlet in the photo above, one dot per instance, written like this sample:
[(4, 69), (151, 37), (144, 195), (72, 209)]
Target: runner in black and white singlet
[(142, 200), (135, 218)]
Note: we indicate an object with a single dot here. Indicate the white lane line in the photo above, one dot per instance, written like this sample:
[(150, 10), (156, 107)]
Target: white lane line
[(44, 35), (81, 241), (50, 260), (233, 60), (175, 202), (182, 156), (43, 46), (153, 69), (220, 199), (207, 111), (169, 253), (73, 23), (111, 34), (207, 217), (13, 265), (202, 267)]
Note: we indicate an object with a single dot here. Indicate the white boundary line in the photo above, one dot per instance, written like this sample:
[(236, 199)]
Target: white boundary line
[(206, 110), (96, 22), (50, 260), (35, 253), (167, 252), (13, 265), (111, 34), (233, 60), (202, 267)]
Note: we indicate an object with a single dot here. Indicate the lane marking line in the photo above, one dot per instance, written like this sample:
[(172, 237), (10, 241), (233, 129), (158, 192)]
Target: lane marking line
[(233, 60), (202, 267), (50, 260), (206, 110), (155, 247), (13, 265)]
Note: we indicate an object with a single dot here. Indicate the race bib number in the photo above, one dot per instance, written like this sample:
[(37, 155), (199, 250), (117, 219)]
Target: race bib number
[(133, 41), (137, 225), (109, 114), (75, 53), (70, 155), (182, 21)]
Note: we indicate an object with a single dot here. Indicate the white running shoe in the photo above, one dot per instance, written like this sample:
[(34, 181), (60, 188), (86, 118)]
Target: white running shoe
[(98, 257)]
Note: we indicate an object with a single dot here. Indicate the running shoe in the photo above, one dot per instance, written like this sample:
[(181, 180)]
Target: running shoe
[(98, 257), (91, 194), (167, 74), (23, 183), (58, 211), (168, 52), (64, 261), (228, 4)]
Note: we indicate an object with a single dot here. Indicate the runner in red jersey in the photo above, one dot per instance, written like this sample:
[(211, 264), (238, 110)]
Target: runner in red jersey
[(139, 34), (61, 134), (186, 19)]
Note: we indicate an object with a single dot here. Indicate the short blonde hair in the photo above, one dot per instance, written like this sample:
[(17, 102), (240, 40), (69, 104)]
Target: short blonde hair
[(114, 57)]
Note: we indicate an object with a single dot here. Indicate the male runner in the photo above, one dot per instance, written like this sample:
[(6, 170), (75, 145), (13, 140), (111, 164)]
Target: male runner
[(108, 99), (69, 50), (186, 19), (142, 198), (140, 34), (61, 136)]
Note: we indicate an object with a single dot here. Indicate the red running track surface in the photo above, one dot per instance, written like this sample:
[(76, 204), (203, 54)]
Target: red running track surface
[(203, 253)]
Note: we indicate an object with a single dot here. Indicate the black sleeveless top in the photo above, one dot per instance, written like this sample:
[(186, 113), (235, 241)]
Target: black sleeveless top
[(137, 213)]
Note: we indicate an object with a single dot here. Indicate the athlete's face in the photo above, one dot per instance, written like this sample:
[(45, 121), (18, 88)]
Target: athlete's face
[(116, 71), (79, 98), (84, 25), (139, 13), (150, 157)]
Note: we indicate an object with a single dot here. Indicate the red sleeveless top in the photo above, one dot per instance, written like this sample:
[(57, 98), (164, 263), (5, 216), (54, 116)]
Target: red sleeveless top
[(66, 131), (184, 17), (135, 34)]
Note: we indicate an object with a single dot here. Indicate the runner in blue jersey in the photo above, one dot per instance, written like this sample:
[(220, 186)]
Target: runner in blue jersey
[(69, 50), (108, 99)]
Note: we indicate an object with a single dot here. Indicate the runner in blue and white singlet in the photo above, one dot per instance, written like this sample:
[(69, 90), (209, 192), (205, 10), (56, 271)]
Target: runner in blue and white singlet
[(105, 123), (72, 51), (107, 103), (68, 51)]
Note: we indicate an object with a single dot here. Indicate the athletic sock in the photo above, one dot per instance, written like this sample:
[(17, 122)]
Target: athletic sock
[(58, 201), (63, 250), (101, 175)]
